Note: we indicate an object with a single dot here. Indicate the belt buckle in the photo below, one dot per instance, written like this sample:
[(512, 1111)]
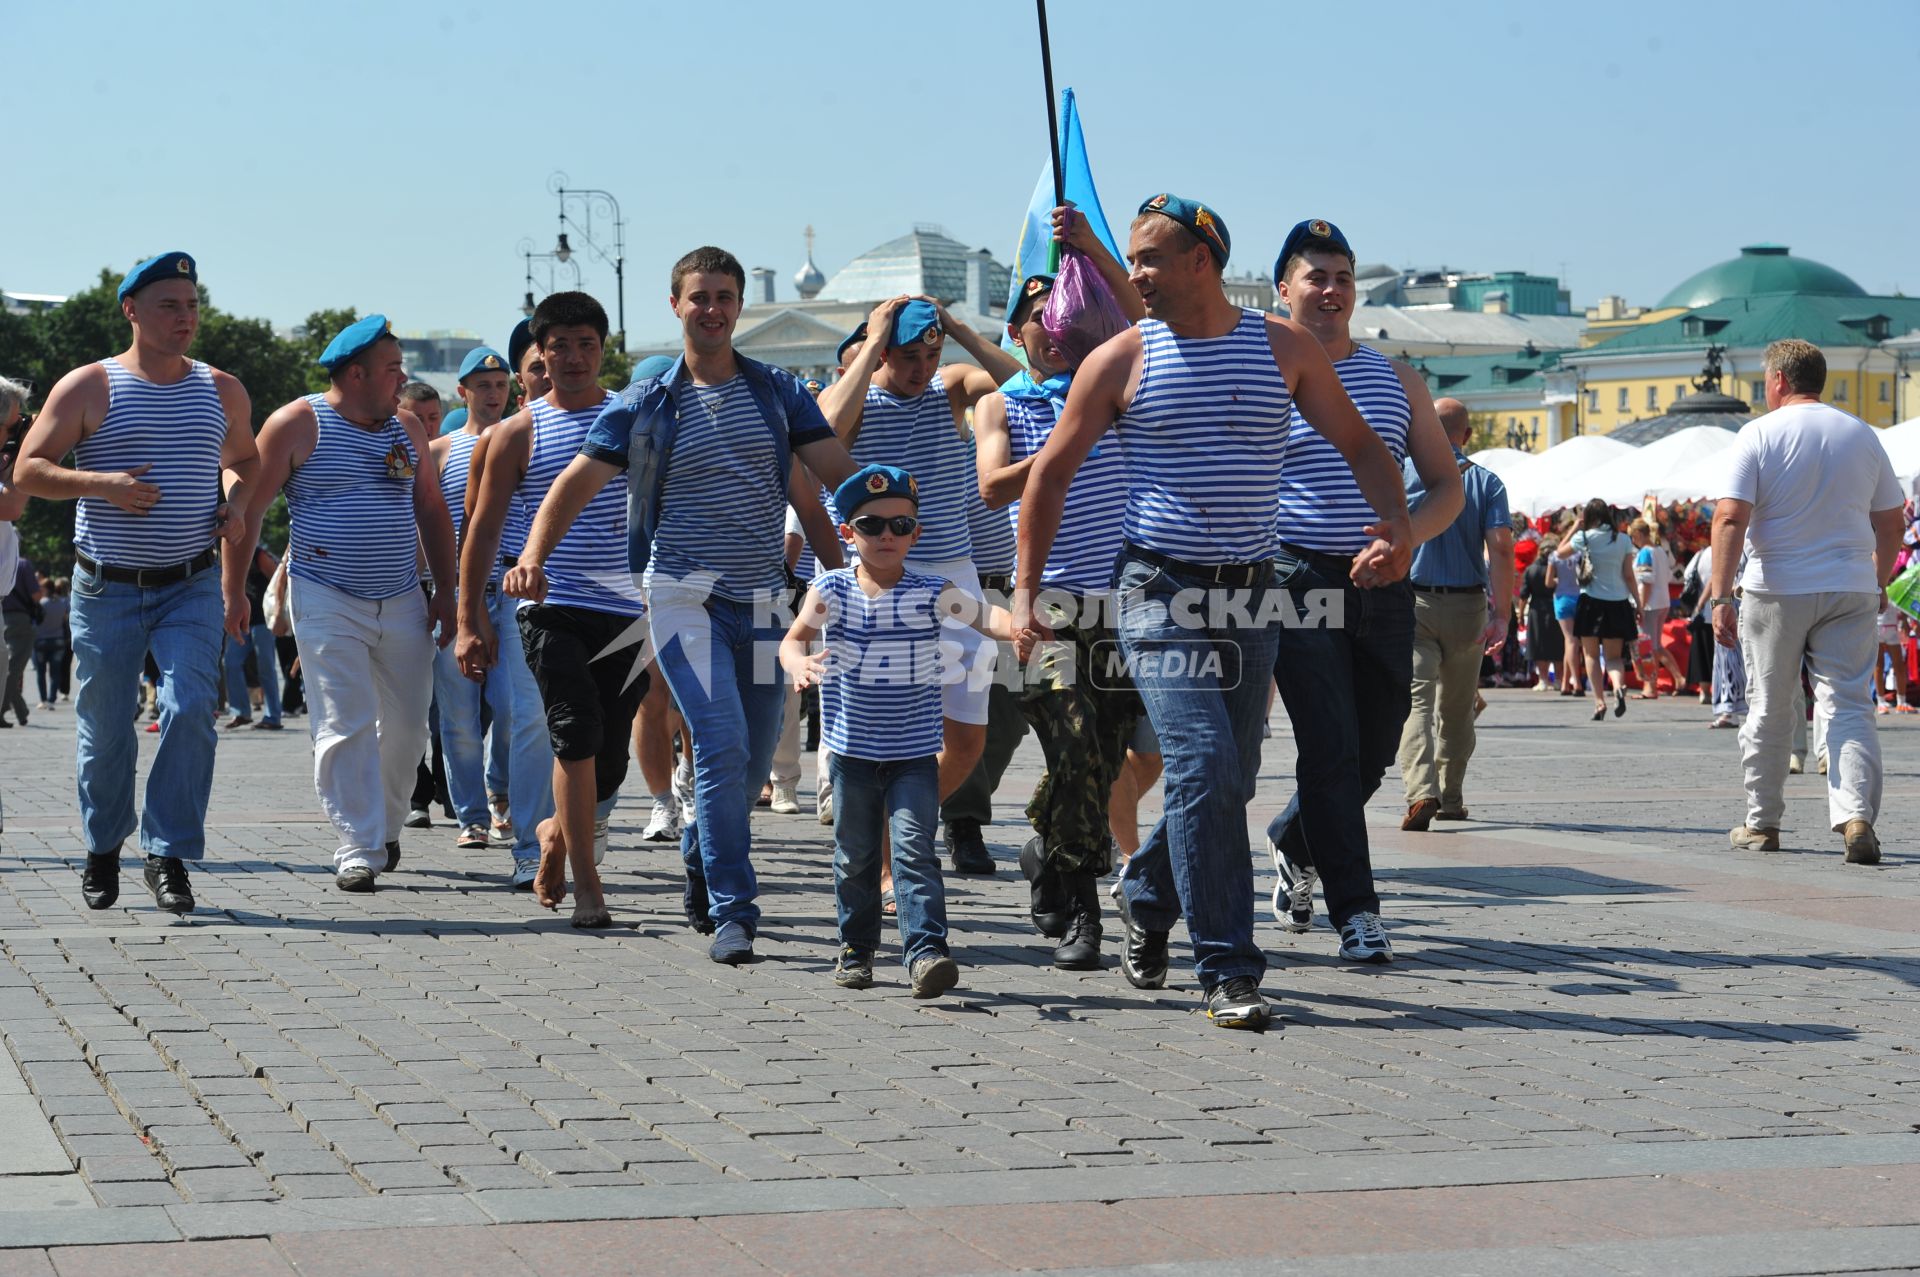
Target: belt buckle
[(140, 578)]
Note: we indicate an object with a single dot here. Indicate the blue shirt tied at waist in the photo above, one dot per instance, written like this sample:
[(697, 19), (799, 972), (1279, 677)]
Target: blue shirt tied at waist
[(1458, 556)]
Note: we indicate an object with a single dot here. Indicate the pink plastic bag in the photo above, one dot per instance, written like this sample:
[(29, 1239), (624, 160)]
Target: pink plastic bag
[(1080, 312)]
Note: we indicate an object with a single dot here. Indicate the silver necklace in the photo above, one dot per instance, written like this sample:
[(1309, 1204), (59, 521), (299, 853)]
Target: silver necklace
[(714, 403)]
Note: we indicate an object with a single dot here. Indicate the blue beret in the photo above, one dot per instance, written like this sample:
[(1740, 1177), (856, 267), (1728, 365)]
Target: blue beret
[(651, 366), (482, 359), (155, 269), (353, 339), (1310, 236), (517, 344), (1031, 290), (812, 385), (1196, 217), (913, 322), (854, 338), (870, 483), (453, 421)]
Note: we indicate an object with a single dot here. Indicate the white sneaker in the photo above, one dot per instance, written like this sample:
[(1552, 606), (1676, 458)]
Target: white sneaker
[(664, 824), (1364, 939), (600, 838), (683, 788), (786, 798)]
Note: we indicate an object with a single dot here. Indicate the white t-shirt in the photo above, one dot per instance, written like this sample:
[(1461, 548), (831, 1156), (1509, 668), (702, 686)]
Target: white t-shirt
[(1653, 566), (1813, 474)]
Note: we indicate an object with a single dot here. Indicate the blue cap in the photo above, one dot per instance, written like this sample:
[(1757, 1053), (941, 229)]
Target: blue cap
[(854, 338), (1034, 288), (517, 344), (812, 385), (1309, 236), (916, 321), (483, 359), (870, 483), (353, 339), (1196, 217), (651, 366), (453, 421), (155, 269)]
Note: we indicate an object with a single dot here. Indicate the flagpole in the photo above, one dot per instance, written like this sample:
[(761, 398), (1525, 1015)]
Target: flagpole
[(1053, 126)]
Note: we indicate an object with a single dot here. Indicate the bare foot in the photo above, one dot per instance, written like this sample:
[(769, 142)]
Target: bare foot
[(591, 917), (550, 884)]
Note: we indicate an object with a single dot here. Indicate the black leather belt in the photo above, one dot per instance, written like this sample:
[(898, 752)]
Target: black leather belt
[(1334, 565), (1240, 574), (1450, 589), (996, 582), (148, 578)]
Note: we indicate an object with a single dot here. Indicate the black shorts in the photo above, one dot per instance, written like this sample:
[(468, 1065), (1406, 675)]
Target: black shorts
[(589, 703), (1605, 619)]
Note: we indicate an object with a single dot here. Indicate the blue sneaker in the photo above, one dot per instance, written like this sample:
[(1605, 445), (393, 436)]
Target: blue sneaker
[(732, 944)]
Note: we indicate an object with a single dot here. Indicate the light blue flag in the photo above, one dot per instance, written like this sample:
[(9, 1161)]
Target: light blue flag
[(1034, 252)]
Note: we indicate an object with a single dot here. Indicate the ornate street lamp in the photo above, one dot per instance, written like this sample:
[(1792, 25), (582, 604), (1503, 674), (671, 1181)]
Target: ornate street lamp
[(586, 199)]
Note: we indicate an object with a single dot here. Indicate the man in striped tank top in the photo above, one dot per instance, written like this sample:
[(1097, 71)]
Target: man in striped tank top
[(581, 622), (897, 406), (709, 448), (1084, 724), (157, 438), (484, 386), (1347, 686), (363, 500), (1199, 395)]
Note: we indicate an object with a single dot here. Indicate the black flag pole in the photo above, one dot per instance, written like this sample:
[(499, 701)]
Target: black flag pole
[(1053, 124)]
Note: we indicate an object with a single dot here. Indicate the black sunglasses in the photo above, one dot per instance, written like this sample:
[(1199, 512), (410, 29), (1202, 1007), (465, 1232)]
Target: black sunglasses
[(873, 525)]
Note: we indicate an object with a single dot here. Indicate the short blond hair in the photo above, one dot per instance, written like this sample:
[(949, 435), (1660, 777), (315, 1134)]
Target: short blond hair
[(1800, 362)]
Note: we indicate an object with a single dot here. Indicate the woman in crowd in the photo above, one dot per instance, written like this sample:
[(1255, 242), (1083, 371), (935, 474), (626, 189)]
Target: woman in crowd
[(1546, 646), (1653, 579), (1602, 561)]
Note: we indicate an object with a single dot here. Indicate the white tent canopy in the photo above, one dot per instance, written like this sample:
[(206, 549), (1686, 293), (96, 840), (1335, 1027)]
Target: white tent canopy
[(1508, 463), (1558, 478), (1902, 443), (1626, 480)]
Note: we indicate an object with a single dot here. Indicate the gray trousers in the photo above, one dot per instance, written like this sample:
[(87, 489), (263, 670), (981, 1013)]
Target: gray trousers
[(1834, 634), (1438, 738)]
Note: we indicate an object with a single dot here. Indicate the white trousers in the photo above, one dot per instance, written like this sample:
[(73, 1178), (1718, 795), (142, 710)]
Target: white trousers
[(1834, 634), (369, 677)]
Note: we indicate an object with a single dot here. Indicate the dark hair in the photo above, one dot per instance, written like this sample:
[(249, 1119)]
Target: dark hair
[(708, 260), (567, 310), (1598, 514), (364, 360), (414, 391), (1315, 244)]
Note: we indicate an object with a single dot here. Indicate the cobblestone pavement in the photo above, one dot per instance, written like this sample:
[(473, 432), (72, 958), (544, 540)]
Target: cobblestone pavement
[(1609, 1044)]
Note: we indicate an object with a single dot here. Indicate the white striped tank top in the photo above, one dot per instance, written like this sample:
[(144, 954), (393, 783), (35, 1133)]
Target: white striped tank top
[(918, 436), (808, 565), (453, 486), (589, 567), (350, 508), (1203, 441), (721, 497), (1089, 539), (1320, 503), (881, 696), (994, 542), (179, 431)]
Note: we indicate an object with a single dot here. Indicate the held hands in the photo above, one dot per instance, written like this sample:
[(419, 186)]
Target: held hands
[(1029, 631), (526, 581), (126, 489), (1387, 559)]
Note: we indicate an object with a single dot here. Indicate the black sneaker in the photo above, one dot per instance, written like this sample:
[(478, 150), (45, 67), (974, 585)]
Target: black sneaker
[(393, 856), (693, 902), (1292, 890), (1143, 958), (854, 970), (966, 849), (100, 880), (1048, 904), (1237, 1004), (357, 880), (167, 880), (933, 974)]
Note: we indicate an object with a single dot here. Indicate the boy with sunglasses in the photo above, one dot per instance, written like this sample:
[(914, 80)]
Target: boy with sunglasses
[(880, 683)]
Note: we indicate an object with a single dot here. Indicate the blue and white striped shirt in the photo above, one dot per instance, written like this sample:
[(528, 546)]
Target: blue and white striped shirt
[(808, 565), (453, 486), (881, 696), (1320, 503), (589, 567), (1203, 441), (918, 435), (994, 544), (350, 508), (179, 431), (721, 497), (1089, 539)]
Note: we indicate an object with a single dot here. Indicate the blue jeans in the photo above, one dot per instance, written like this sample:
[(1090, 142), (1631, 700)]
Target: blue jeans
[(1348, 686), (260, 643), (1203, 679), (902, 798), (726, 679), (457, 700), (528, 758), (114, 626)]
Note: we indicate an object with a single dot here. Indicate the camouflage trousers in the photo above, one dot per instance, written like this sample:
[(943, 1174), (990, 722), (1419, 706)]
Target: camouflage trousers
[(1084, 723)]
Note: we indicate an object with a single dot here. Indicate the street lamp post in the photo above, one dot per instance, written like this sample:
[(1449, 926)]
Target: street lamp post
[(586, 199), (525, 250)]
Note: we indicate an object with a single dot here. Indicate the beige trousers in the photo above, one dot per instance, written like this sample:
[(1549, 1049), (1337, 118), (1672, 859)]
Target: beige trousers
[(1438, 738)]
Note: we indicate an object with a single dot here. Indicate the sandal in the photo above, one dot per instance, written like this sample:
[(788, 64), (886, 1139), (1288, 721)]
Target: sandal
[(888, 905)]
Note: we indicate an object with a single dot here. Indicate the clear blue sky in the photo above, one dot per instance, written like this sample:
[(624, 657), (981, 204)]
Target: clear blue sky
[(389, 156)]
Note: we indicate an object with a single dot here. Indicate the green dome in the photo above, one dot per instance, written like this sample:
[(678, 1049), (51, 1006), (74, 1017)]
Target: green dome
[(1761, 268)]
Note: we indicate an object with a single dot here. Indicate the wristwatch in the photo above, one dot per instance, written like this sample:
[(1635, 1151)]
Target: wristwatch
[(1717, 602)]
